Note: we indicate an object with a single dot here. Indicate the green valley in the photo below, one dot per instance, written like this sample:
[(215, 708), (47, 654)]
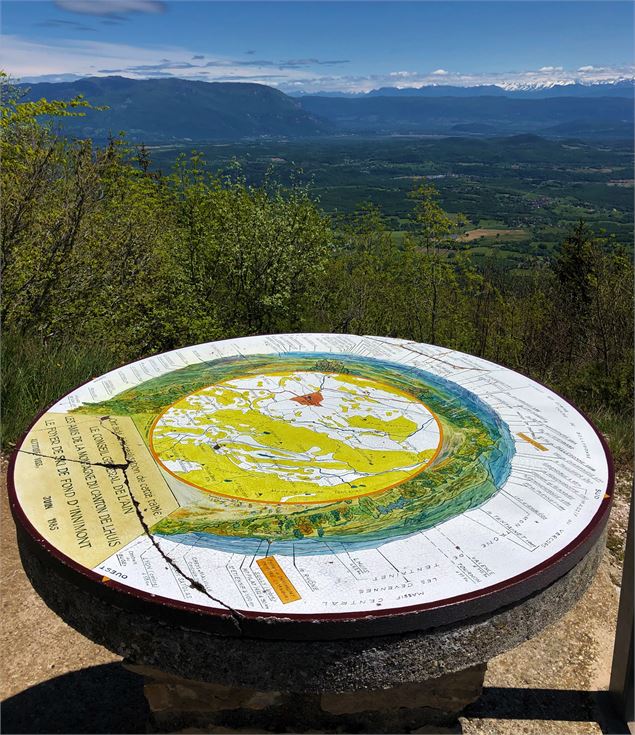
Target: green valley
[(519, 193)]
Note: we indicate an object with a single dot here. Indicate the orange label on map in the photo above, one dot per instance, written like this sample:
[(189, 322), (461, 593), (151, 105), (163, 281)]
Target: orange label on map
[(536, 444), (277, 578)]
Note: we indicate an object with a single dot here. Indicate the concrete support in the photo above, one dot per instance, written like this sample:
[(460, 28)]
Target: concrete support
[(185, 705)]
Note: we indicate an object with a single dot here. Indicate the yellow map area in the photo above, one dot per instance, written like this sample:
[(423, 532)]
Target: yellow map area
[(296, 437)]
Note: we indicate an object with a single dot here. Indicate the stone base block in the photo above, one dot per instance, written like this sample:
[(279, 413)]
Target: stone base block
[(432, 706)]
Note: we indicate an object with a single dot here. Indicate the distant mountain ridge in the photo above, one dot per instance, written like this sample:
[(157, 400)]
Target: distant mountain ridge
[(160, 110), (178, 110), (408, 115), (516, 90), (529, 90)]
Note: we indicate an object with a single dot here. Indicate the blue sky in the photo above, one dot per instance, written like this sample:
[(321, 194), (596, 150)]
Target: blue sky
[(352, 46)]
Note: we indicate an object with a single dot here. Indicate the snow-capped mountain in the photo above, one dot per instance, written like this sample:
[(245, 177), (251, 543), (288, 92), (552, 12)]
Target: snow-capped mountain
[(541, 84), (534, 88)]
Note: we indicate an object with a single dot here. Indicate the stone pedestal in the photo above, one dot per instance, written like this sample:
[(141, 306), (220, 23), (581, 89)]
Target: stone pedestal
[(186, 705)]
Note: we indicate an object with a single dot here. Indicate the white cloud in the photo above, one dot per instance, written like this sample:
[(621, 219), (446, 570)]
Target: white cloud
[(21, 57), (26, 59), (111, 7), (551, 68), (67, 58)]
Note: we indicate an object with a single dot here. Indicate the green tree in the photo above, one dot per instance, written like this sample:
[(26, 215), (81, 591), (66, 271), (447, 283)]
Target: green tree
[(253, 256), (429, 273), (47, 189), (574, 268)]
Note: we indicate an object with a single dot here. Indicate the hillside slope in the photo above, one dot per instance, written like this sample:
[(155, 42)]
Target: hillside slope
[(158, 110)]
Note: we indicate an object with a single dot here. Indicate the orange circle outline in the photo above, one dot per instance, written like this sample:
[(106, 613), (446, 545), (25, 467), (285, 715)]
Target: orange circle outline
[(308, 502)]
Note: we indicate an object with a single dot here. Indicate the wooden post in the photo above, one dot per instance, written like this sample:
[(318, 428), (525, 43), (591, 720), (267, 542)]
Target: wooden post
[(621, 686)]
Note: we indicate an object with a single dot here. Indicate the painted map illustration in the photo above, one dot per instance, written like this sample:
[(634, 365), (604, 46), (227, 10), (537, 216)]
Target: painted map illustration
[(310, 474), (316, 446)]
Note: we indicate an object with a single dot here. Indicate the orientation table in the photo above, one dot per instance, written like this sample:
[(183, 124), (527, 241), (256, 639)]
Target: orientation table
[(311, 531)]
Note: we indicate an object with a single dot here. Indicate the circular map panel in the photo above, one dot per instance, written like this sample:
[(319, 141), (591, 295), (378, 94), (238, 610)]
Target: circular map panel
[(282, 481)]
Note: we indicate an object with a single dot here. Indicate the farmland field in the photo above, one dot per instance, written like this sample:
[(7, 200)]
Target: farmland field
[(483, 232), (520, 194)]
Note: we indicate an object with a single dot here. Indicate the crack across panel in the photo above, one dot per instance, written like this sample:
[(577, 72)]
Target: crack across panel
[(235, 615), (123, 467)]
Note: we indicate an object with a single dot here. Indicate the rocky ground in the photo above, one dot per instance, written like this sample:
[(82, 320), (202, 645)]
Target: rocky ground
[(53, 680)]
